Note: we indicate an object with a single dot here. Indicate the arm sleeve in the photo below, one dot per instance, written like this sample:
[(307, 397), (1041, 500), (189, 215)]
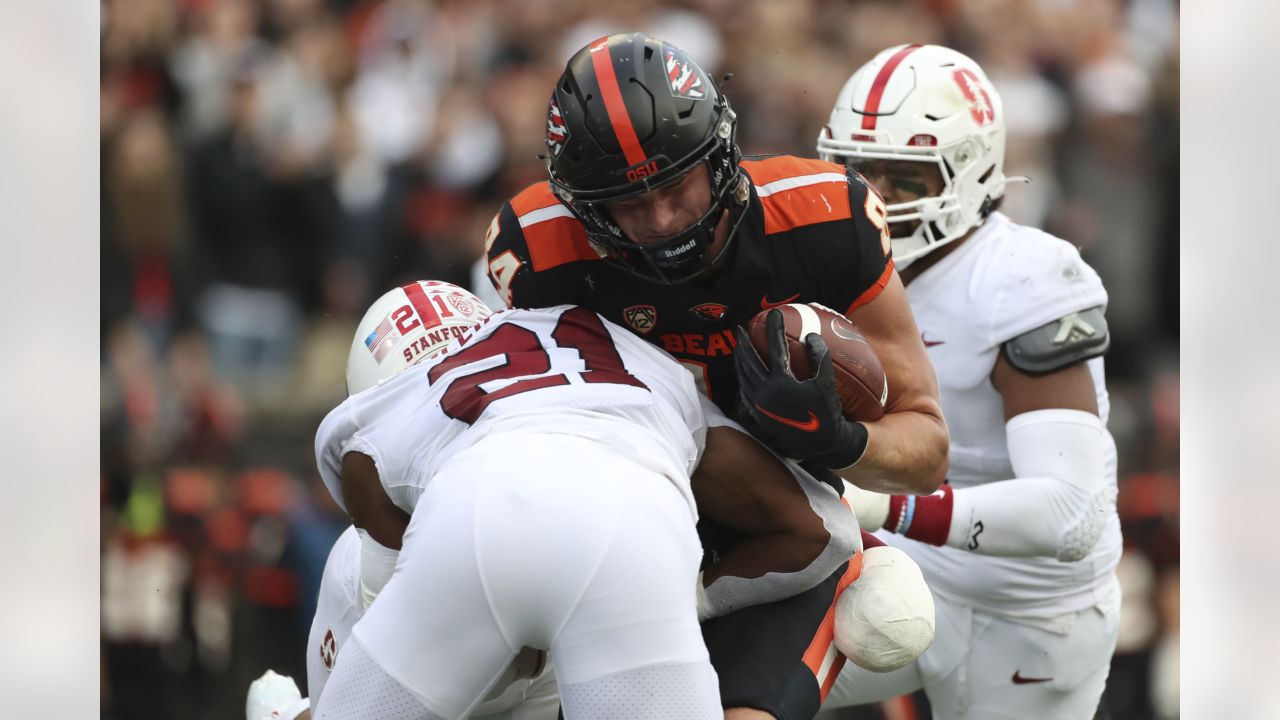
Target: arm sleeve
[(1060, 500), (729, 593)]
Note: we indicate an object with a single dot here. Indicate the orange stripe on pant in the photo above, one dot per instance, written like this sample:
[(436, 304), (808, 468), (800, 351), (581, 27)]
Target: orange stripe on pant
[(822, 658)]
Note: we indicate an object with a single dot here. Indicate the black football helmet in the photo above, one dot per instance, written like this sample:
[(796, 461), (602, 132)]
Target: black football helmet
[(629, 114)]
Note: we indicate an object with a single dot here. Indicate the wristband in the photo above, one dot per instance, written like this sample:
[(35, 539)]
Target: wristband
[(926, 518), (908, 514), (897, 513)]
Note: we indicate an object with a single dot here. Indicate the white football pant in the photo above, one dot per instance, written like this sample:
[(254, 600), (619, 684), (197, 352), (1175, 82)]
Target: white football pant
[(548, 541), (986, 667), (338, 609)]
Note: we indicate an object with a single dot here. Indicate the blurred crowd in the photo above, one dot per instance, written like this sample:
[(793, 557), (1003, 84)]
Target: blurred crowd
[(268, 167)]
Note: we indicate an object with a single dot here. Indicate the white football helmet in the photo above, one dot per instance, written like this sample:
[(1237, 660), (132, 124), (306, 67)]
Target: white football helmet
[(924, 103), (409, 324)]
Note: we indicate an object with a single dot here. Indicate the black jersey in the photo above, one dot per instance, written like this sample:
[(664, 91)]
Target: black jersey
[(813, 232)]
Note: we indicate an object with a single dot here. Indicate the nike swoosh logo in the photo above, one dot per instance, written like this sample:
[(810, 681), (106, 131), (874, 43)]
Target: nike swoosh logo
[(766, 305), (1019, 680), (808, 426), (930, 343)]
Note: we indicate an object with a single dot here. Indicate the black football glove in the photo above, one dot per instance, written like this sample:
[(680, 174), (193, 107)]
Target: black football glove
[(801, 419)]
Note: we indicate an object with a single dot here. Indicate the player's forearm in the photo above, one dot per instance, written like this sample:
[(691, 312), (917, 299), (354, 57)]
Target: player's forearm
[(906, 453), (766, 567), (1028, 517), (1056, 507)]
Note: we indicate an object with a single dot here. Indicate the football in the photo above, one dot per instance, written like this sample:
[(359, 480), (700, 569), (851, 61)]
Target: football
[(860, 379)]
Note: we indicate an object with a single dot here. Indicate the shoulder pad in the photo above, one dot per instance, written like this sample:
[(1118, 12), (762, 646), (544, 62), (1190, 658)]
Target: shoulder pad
[(1057, 344)]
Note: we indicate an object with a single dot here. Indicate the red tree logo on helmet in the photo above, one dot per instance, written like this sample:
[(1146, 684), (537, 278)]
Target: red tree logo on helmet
[(979, 103)]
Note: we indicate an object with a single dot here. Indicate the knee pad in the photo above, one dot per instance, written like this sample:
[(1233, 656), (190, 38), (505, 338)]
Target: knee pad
[(885, 619)]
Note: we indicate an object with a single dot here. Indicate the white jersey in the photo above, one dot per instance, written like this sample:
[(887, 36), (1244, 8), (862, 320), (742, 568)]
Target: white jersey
[(562, 370), (1005, 280)]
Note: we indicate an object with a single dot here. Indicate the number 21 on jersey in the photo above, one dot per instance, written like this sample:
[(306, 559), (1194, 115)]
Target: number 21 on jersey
[(578, 329)]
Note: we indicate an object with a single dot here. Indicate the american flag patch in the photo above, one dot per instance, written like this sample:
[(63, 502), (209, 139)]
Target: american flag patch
[(378, 341), (683, 76)]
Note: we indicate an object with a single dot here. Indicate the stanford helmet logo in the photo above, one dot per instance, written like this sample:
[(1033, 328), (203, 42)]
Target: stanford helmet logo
[(709, 311), (979, 103), (641, 318), (683, 77), (557, 131)]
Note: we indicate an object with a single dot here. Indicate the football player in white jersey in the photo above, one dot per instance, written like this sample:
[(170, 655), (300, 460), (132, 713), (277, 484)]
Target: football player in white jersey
[(1020, 546), (527, 691), (535, 467)]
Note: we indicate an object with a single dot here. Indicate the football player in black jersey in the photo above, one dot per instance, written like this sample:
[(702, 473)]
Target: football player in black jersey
[(653, 219)]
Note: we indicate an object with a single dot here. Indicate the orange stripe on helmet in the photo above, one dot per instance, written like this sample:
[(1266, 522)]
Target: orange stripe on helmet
[(602, 61)]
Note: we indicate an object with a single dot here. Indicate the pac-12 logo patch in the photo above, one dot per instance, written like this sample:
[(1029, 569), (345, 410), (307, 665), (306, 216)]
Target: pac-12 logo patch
[(709, 311), (641, 318), (328, 650), (683, 77)]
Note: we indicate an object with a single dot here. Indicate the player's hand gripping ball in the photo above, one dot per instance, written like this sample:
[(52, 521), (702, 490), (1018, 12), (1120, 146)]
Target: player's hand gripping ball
[(860, 380), (794, 399)]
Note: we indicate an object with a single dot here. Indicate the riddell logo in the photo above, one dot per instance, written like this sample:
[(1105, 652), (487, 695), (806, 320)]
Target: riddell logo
[(682, 249)]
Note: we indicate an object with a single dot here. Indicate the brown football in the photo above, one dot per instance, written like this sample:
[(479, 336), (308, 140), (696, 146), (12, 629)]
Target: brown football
[(860, 379)]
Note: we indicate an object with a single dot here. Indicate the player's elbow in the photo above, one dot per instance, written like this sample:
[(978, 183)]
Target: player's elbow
[(1079, 536), (930, 467)]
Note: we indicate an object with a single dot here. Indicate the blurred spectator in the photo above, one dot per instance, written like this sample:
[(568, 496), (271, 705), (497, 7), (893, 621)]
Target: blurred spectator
[(271, 166)]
